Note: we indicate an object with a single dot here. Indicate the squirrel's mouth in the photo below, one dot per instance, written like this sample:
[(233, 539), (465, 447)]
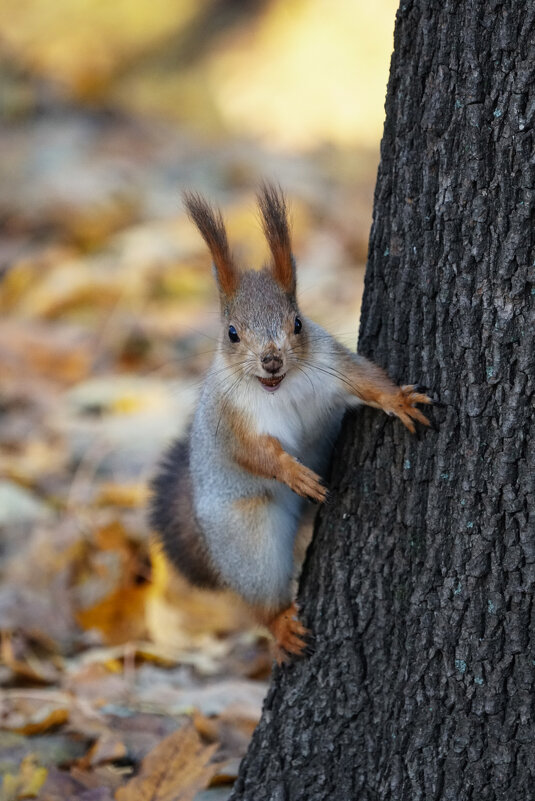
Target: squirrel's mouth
[(271, 384)]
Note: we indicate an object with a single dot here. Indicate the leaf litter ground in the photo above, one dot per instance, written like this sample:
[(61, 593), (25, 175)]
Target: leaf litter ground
[(116, 679)]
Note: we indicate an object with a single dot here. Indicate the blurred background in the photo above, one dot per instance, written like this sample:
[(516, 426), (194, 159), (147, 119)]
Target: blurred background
[(108, 315)]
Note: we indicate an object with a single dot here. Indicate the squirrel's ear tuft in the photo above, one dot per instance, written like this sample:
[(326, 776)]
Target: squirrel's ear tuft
[(272, 205), (212, 228)]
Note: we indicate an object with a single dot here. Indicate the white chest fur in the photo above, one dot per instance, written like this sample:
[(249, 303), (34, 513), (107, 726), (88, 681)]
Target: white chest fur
[(299, 414)]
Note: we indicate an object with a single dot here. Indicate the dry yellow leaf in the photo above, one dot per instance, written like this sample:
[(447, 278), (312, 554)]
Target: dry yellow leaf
[(120, 616), (33, 459), (49, 719), (176, 611), (175, 770), (29, 270), (129, 496), (113, 592), (27, 782)]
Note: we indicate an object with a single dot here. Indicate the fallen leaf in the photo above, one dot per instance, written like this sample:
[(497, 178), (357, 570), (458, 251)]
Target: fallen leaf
[(108, 748), (214, 794), (28, 270), (48, 749), (139, 732), (62, 353), (95, 684), (33, 712), (72, 286), (227, 773), (119, 617), (127, 495), (19, 506), (102, 776), (32, 461), (176, 611), (59, 786), (113, 657), (25, 784), (239, 698), (96, 794), (175, 770), (113, 585), (30, 668), (35, 595), (232, 734)]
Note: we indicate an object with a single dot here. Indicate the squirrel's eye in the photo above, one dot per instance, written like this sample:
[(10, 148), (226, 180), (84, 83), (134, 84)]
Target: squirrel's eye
[(233, 334), (298, 325)]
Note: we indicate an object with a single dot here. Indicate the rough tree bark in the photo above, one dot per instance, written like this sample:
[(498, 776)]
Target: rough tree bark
[(419, 584)]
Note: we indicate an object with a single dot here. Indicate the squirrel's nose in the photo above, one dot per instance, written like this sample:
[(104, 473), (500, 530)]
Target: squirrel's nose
[(271, 362)]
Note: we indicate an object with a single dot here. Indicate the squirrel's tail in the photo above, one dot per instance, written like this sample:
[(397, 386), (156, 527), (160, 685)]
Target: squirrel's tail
[(172, 517)]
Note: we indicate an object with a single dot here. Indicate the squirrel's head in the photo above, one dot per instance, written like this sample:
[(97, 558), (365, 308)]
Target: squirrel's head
[(263, 334)]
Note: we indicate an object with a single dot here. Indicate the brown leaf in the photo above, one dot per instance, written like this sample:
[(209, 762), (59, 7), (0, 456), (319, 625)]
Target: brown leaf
[(227, 773), (130, 496), (61, 786), (231, 733), (120, 566), (176, 610), (108, 748), (34, 670), (33, 712), (30, 348), (119, 617), (174, 771), (102, 776)]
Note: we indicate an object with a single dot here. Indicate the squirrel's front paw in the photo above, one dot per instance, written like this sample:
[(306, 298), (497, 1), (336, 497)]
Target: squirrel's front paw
[(402, 404), (305, 482)]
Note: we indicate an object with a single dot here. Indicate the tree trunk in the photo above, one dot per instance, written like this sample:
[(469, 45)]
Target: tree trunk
[(418, 586)]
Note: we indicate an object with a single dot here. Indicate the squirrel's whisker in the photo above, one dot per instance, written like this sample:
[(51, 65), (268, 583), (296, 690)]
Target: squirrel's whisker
[(330, 371), (225, 401)]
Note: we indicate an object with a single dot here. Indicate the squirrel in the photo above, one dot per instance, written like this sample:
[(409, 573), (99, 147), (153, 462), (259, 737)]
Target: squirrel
[(227, 503)]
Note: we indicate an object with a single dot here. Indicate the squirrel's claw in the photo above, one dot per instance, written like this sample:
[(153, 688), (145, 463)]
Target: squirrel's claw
[(415, 394), (402, 404), (305, 482), (289, 634)]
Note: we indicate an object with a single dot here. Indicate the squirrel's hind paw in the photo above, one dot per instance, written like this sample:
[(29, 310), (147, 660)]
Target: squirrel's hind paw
[(289, 634)]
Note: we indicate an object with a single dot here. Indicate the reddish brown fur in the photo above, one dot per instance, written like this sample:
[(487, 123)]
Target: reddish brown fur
[(272, 205), (251, 503), (370, 383), (288, 632), (263, 455), (212, 228)]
